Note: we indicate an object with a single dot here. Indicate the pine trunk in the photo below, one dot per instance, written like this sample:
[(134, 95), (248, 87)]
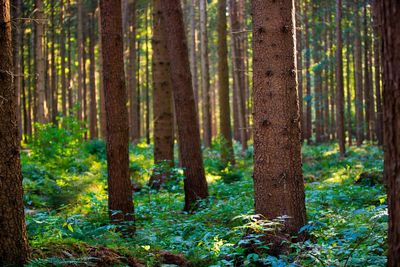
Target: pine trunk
[(278, 179), (13, 240), (120, 201), (358, 77), (195, 183), (40, 62)]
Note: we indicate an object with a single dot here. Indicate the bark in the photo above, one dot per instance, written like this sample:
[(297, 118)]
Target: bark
[(192, 50), (205, 74), (339, 81), (40, 62), (358, 77), (147, 130), (389, 12), (278, 179), (17, 40), (132, 90), (119, 184), (92, 80), (62, 58), (377, 67), (348, 91), (308, 131), (195, 183), (162, 103), (69, 61), (80, 59), (54, 88), (103, 126), (13, 240), (237, 78), (227, 155), (367, 84), (318, 94), (299, 58)]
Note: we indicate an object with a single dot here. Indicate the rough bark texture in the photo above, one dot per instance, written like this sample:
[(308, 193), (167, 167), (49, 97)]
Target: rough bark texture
[(119, 184), (223, 82), (40, 62), (13, 241), (339, 81), (205, 74), (390, 23), (358, 77), (195, 183), (162, 102), (278, 179)]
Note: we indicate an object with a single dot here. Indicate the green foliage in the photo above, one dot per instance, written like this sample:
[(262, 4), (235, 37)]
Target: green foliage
[(347, 219)]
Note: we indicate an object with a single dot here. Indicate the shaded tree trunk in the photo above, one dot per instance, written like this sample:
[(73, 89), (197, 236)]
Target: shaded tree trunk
[(40, 62), (92, 80), (358, 77), (308, 131), (62, 58), (348, 91), (120, 201), (339, 81), (367, 79), (389, 12), (227, 154), (80, 59), (53, 87), (162, 102), (147, 125), (278, 179), (205, 74), (17, 51), (195, 183), (13, 240)]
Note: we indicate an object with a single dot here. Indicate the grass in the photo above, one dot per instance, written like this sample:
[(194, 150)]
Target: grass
[(347, 216)]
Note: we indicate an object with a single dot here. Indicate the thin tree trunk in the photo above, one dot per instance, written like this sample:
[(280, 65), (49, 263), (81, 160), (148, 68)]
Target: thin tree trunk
[(103, 124), (358, 77), (339, 81), (195, 183), (299, 58), (13, 240), (348, 91), (54, 88), (227, 154), (92, 79), (389, 12), (120, 202), (147, 78), (62, 58), (69, 61), (308, 131), (205, 74), (192, 50), (318, 99), (278, 179), (40, 62), (80, 59), (367, 84)]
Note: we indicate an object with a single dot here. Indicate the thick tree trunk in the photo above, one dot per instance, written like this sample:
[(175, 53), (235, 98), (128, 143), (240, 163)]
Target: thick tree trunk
[(390, 23), (227, 154), (205, 74), (358, 77), (92, 80), (13, 241), (119, 184), (339, 81), (188, 124), (40, 62), (278, 179), (17, 40), (162, 102)]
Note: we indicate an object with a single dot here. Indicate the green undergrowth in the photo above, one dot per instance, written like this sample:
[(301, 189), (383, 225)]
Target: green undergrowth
[(67, 219)]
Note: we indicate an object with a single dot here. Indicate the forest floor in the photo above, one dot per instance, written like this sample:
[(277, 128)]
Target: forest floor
[(67, 219)]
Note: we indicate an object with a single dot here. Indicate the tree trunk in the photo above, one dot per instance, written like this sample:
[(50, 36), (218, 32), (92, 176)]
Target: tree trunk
[(92, 79), (367, 85), (13, 240), (227, 154), (62, 58), (69, 62), (188, 124), (17, 40), (205, 74), (147, 78), (358, 77), (132, 90), (318, 94), (308, 131), (162, 102), (54, 88), (278, 179), (348, 91), (377, 66), (120, 201), (192, 50), (40, 62), (389, 13), (103, 126), (339, 81), (80, 59), (299, 58)]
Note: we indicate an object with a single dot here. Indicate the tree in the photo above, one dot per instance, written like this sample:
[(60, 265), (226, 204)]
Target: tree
[(162, 102), (389, 12), (92, 79), (205, 74), (80, 58), (358, 77), (339, 81), (278, 179), (13, 241), (308, 127), (120, 201), (195, 183), (223, 79), (40, 62)]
